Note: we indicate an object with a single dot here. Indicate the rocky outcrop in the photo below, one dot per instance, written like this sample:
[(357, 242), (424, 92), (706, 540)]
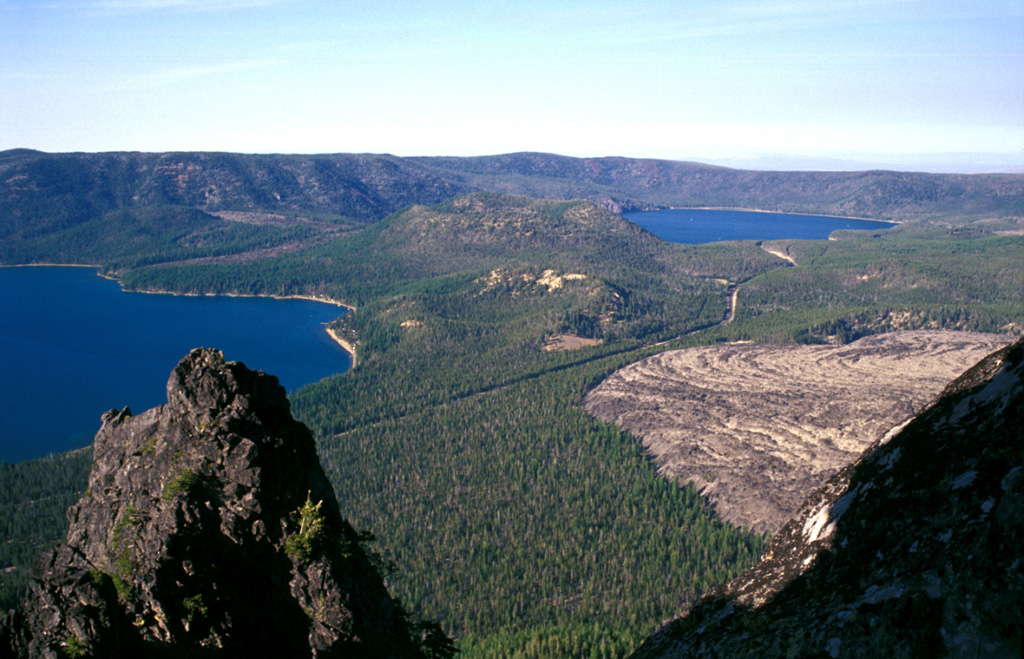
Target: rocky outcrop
[(757, 428), (914, 550), (208, 529)]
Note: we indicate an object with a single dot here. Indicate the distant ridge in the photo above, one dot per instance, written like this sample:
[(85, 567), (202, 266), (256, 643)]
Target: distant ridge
[(44, 193)]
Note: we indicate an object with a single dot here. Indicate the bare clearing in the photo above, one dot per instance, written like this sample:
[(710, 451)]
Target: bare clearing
[(568, 342), (758, 427), (779, 253)]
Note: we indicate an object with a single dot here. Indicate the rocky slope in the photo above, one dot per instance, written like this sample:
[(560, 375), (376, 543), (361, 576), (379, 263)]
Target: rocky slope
[(913, 551), (208, 529), (757, 428)]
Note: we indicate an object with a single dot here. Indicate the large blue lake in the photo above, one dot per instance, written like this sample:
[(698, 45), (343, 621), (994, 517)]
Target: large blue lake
[(695, 226), (74, 345)]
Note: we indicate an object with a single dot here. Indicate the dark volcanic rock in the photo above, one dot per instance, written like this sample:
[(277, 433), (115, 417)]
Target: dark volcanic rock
[(208, 529), (915, 550)]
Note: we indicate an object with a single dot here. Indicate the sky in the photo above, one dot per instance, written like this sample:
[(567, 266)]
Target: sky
[(732, 81)]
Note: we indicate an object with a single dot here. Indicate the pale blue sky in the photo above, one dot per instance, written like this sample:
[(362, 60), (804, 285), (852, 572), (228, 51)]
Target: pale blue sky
[(681, 80)]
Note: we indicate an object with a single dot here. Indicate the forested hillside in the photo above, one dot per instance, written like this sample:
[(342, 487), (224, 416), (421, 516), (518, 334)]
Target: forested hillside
[(34, 496), (525, 526), (631, 183), (44, 196)]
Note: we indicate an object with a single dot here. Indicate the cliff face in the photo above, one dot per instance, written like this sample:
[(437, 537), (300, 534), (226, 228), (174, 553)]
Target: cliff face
[(914, 550), (208, 529)]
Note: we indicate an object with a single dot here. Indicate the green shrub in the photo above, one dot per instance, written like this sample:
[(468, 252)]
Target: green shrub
[(194, 608), (73, 646), (301, 544), (185, 480)]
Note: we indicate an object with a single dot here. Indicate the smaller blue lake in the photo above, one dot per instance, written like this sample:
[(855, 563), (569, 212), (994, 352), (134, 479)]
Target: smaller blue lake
[(74, 345), (695, 226)]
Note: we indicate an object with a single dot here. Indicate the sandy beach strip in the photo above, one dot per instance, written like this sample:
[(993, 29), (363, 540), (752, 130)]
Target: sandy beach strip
[(311, 298), (49, 265), (348, 347), (307, 298)]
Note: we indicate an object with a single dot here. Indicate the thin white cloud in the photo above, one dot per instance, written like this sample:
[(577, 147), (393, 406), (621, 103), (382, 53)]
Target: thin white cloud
[(658, 22), (169, 76)]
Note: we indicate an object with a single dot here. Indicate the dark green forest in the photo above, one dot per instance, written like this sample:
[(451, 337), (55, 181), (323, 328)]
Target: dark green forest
[(524, 526), (34, 496), (42, 194)]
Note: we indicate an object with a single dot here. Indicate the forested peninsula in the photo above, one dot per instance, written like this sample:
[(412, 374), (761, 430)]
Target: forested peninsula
[(521, 523)]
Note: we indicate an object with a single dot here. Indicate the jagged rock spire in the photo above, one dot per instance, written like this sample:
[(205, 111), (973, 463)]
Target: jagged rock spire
[(208, 529)]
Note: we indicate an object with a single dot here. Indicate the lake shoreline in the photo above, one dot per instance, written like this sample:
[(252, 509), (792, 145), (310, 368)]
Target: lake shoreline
[(113, 350), (156, 291), (763, 210), (346, 346), (50, 265), (159, 291), (307, 298), (700, 226)]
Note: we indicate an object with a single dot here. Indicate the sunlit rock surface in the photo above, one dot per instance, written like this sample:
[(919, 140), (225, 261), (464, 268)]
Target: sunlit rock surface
[(913, 551), (758, 427)]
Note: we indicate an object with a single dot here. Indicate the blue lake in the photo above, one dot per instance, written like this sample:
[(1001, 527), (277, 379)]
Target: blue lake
[(74, 345), (695, 226)]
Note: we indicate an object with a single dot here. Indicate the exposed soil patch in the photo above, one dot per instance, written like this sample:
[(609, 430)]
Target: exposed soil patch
[(277, 220), (775, 251), (758, 427), (568, 342)]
